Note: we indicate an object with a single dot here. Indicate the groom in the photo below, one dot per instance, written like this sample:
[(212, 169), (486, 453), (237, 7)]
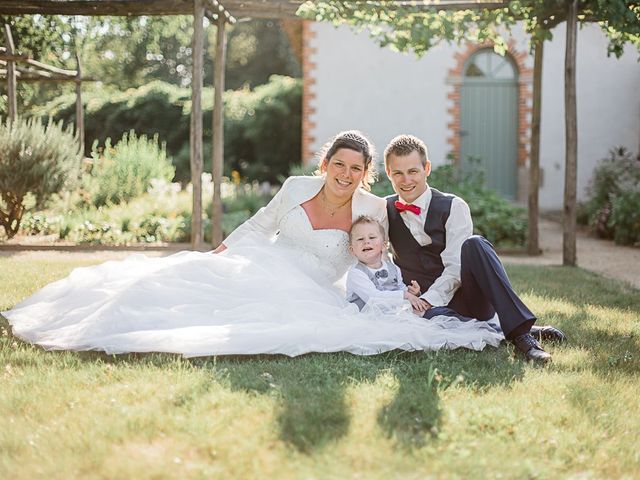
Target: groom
[(459, 274)]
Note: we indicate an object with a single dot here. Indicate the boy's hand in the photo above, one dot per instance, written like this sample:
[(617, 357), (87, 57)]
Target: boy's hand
[(414, 288), (419, 305)]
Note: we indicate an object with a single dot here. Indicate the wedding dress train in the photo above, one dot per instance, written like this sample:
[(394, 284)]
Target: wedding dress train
[(259, 296)]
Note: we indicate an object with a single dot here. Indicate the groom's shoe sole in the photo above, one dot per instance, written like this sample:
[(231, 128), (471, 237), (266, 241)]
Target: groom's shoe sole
[(548, 333)]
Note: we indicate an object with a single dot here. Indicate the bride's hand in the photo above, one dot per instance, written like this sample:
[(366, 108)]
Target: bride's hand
[(221, 248)]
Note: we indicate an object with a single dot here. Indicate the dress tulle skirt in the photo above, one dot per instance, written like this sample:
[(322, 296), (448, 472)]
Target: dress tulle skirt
[(251, 300)]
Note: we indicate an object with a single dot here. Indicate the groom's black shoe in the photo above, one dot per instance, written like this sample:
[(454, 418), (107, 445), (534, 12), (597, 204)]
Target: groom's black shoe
[(531, 349), (548, 333)]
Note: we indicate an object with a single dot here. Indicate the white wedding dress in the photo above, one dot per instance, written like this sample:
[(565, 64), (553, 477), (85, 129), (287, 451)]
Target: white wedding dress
[(258, 296)]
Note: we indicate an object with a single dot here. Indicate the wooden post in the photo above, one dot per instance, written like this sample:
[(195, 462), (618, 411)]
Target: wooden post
[(196, 124), (218, 129), (571, 129), (79, 109), (533, 244), (12, 96)]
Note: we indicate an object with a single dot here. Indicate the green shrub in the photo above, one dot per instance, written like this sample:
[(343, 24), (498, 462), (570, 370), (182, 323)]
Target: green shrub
[(614, 198), (125, 171), (34, 158), (38, 224), (161, 214), (625, 217), (263, 127)]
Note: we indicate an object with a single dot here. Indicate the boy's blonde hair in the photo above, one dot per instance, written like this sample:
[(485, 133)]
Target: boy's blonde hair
[(363, 219)]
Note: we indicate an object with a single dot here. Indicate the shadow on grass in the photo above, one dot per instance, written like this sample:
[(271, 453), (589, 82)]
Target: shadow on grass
[(311, 390), (313, 405)]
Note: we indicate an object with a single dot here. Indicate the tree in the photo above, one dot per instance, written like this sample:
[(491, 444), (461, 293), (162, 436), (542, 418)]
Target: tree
[(419, 27), (256, 50), (127, 52)]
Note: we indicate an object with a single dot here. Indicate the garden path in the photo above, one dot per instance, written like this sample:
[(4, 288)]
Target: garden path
[(600, 256)]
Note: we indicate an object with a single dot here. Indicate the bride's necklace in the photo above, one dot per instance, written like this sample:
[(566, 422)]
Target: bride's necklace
[(330, 208)]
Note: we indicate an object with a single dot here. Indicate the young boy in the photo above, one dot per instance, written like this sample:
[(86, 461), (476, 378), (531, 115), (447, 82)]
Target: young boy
[(374, 277)]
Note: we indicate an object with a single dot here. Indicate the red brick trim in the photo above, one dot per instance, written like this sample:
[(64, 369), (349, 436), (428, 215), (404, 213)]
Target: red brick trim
[(308, 93), (525, 99)]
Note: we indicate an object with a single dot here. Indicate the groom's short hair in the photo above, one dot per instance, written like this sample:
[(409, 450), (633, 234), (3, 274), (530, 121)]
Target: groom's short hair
[(403, 145)]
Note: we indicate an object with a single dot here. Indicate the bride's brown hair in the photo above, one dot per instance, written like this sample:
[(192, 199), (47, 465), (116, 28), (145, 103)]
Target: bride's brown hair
[(352, 140)]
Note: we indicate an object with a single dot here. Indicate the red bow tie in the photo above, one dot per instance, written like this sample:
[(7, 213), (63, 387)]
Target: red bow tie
[(403, 207)]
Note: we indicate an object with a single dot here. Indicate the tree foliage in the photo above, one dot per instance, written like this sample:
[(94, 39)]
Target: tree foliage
[(127, 52), (417, 28)]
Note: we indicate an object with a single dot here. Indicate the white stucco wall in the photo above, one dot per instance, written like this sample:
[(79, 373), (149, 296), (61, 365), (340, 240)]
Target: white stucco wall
[(379, 91), (384, 93), (608, 107)]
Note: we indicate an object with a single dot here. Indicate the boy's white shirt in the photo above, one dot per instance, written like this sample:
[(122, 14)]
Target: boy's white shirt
[(295, 191), (458, 228), (359, 283)]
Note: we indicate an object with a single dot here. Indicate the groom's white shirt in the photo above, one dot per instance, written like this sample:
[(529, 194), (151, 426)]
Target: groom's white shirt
[(458, 228), (295, 191)]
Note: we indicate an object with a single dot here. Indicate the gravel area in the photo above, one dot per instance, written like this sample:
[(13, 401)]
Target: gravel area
[(600, 256)]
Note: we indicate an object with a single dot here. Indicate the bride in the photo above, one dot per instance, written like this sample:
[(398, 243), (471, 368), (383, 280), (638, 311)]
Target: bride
[(273, 286)]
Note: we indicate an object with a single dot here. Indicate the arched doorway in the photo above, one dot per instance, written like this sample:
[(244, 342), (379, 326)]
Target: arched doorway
[(489, 120)]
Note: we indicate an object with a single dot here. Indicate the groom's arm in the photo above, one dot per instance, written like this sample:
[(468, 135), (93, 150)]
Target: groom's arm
[(458, 228)]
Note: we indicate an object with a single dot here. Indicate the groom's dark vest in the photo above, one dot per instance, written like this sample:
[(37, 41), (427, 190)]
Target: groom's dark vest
[(422, 264)]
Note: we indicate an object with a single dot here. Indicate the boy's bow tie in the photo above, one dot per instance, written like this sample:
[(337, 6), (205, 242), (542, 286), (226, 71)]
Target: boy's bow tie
[(382, 273), (403, 207)]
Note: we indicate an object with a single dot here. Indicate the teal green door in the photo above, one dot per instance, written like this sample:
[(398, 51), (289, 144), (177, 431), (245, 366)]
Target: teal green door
[(489, 121)]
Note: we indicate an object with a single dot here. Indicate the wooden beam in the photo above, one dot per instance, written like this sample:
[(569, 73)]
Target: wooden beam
[(13, 58), (133, 7), (97, 7), (288, 8), (79, 108), (218, 130), (571, 134), (4, 57), (33, 78), (234, 8), (262, 9), (196, 124), (50, 68), (12, 96), (533, 242), (215, 7), (264, 14)]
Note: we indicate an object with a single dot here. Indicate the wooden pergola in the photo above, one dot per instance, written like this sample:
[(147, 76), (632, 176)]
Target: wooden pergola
[(227, 11), (11, 70), (219, 13)]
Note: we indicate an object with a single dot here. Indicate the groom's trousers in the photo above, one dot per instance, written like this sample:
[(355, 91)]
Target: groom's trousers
[(485, 290)]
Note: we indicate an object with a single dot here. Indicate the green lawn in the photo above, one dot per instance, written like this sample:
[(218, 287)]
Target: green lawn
[(457, 414)]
